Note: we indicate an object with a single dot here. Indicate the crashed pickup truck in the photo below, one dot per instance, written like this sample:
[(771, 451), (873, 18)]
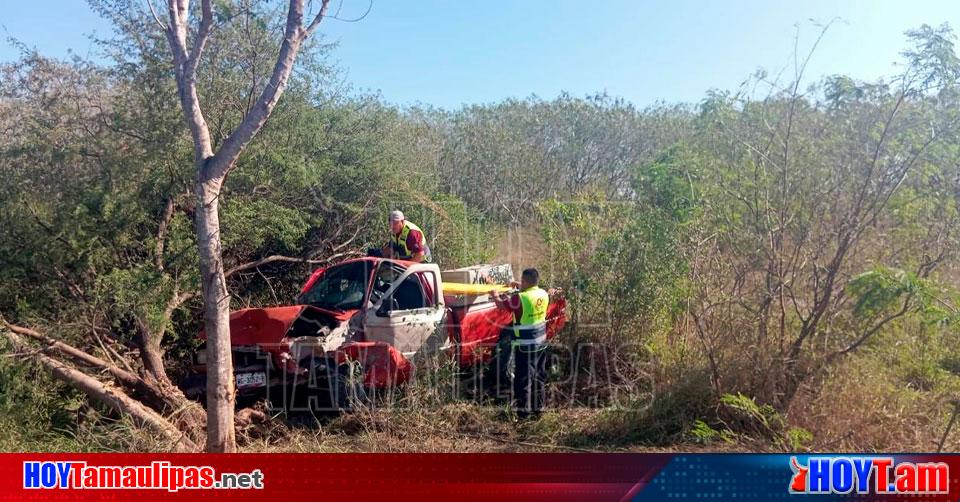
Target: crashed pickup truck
[(365, 324)]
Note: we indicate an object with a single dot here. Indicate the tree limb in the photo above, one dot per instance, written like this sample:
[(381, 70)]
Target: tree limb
[(157, 397), (162, 232), (320, 16), (294, 35), (281, 258), (185, 68), (155, 16), (122, 376), (873, 330), (115, 400)]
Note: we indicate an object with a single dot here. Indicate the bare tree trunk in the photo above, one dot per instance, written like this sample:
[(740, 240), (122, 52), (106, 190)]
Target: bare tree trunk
[(216, 317), (151, 354)]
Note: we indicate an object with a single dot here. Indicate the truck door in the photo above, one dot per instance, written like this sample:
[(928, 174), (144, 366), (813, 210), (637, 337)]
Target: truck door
[(408, 314)]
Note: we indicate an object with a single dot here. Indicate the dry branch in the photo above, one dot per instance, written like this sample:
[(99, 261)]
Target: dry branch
[(112, 398), (122, 376), (158, 397)]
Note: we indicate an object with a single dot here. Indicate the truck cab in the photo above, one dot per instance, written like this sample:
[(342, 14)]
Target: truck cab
[(391, 302)]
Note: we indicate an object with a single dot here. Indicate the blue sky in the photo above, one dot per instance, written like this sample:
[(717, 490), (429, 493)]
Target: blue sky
[(448, 52)]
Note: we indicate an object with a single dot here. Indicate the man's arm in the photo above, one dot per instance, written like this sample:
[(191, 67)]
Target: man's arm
[(511, 303), (416, 246)]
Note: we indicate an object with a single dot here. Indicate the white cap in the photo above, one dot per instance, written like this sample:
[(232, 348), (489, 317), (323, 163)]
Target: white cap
[(396, 215)]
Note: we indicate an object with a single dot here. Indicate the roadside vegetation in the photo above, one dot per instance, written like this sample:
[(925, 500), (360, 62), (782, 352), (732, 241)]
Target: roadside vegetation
[(772, 268)]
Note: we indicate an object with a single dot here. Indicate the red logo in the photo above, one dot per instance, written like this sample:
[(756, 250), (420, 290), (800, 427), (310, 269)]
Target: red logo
[(799, 481)]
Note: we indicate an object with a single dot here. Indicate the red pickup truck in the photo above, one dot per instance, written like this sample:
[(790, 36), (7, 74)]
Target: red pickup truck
[(375, 315)]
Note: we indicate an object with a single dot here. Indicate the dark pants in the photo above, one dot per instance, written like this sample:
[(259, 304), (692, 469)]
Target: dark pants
[(529, 374), (529, 379)]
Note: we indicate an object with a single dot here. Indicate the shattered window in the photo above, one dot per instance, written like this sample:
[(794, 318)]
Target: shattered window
[(341, 287)]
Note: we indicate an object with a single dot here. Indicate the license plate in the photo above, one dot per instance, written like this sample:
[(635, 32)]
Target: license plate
[(247, 380)]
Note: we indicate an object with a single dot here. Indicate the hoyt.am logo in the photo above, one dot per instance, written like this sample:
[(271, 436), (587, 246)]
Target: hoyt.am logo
[(876, 475)]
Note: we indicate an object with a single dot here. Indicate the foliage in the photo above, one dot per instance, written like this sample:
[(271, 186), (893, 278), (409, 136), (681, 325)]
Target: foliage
[(622, 260), (36, 412)]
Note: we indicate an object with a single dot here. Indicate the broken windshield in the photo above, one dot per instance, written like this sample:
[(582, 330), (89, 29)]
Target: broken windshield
[(341, 287)]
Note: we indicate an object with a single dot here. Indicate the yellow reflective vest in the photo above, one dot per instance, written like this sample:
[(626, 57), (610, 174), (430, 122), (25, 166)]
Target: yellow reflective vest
[(400, 243), (532, 328)]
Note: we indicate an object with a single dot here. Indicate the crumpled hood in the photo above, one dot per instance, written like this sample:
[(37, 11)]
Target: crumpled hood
[(270, 325), (262, 325)]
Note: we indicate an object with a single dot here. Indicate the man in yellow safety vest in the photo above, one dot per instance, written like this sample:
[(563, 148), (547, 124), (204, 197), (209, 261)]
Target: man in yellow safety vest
[(407, 241), (528, 337)]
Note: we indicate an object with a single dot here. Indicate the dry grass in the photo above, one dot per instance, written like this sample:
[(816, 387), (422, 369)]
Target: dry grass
[(456, 427), (867, 407)]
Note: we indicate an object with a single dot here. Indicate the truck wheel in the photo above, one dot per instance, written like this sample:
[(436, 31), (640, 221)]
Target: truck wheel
[(314, 393), (346, 387), (498, 373), (328, 387)]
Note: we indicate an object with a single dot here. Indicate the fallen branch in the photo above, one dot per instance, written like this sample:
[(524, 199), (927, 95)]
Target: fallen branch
[(117, 401), (190, 416), (281, 258), (122, 376), (953, 419)]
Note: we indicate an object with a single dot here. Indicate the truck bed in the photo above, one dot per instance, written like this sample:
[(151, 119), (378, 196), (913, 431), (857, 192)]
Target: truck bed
[(477, 324)]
